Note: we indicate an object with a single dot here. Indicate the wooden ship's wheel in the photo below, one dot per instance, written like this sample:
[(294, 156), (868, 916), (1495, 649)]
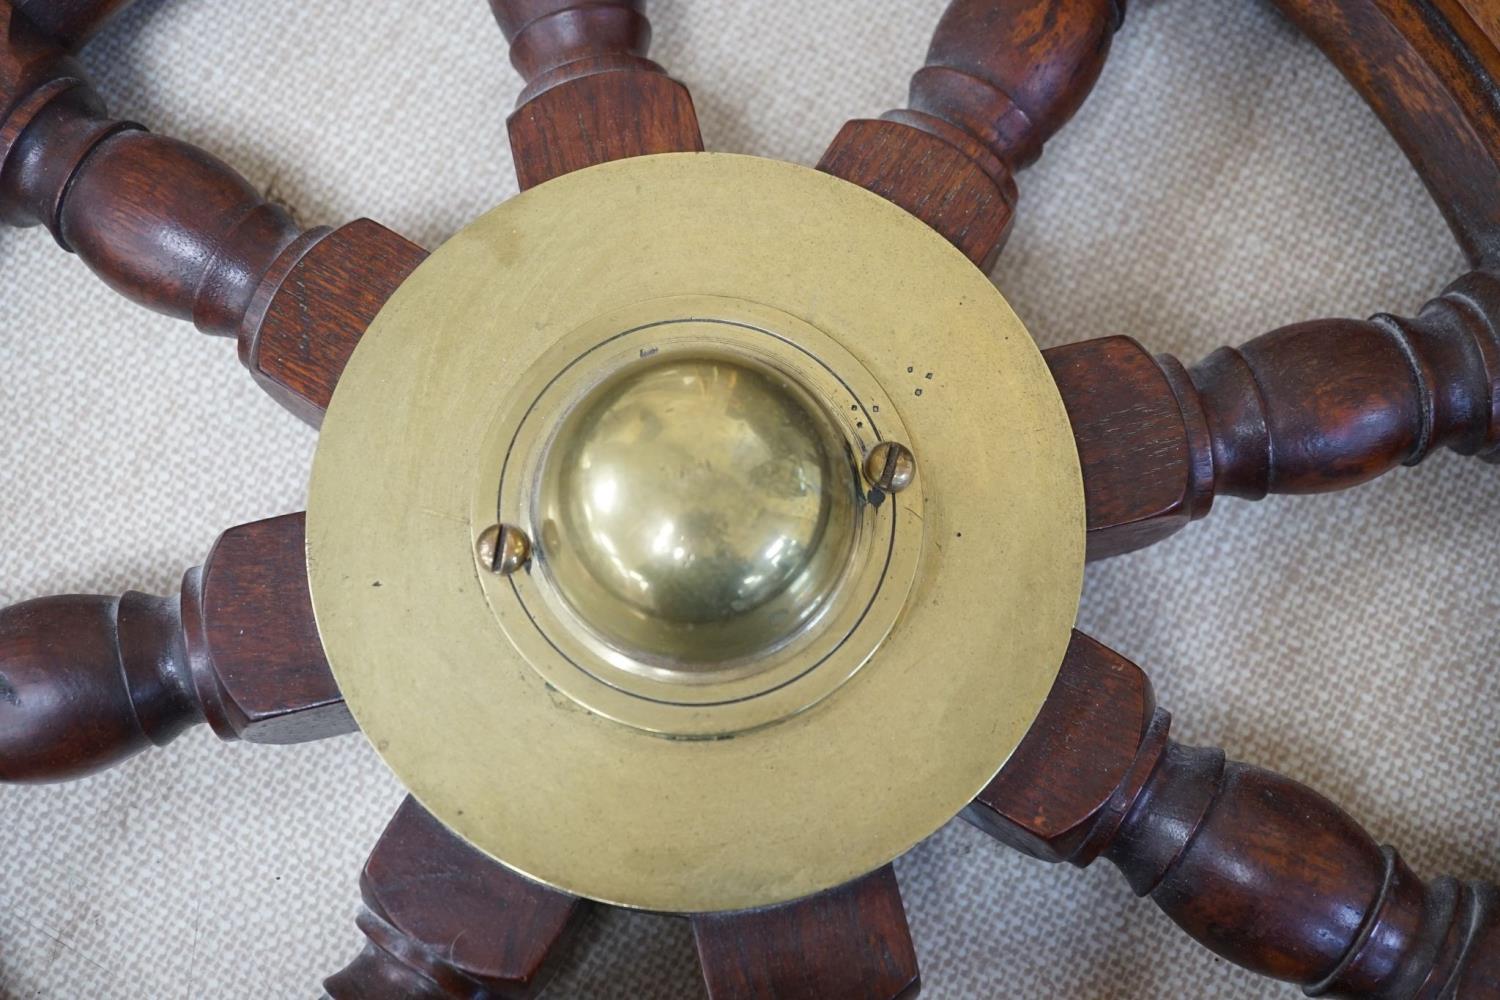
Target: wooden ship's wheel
[(697, 533)]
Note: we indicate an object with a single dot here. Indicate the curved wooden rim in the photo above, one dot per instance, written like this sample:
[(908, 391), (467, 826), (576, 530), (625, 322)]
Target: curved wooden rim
[(1429, 70)]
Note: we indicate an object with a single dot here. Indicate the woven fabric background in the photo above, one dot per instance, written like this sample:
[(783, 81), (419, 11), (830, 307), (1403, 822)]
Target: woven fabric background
[(1222, 180)]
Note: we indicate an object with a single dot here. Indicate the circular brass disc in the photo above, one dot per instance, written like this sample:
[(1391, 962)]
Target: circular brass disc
[(972, 596)]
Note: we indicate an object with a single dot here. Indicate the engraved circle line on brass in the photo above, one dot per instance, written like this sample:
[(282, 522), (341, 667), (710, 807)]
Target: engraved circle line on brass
[(874, 427)]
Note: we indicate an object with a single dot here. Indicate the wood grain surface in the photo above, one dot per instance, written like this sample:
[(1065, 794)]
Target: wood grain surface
[(591, 94), (1000, 79), (86, 681), (443, 922), (1308, 408), (1255, 866)]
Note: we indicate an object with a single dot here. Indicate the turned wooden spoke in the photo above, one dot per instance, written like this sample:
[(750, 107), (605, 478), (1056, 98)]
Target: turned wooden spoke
[(86, 681), (1263, 870), (850, 943), (1431, 70), (1307, 408), (311, 312), (71, 22), (443, 922), (591, 94), (173, 228), (1001, 78)]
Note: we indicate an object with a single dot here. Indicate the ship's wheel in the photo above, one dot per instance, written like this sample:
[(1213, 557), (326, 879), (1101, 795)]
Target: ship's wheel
[(697, 533)]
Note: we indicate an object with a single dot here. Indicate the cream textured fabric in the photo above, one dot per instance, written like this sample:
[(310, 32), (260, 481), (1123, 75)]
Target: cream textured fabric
[(1222, 180)]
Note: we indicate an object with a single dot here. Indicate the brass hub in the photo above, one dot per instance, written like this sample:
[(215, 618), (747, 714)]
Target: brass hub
[(698, 510), (695, 532), (707, 560)]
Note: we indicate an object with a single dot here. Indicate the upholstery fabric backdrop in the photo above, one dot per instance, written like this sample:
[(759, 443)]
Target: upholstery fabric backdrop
[(1222, 180)]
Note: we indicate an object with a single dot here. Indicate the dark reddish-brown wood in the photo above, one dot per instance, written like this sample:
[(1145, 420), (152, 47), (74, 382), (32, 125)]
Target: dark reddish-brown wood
[(1001, 78), (86, 681), (1431, 70), (71, 22), (300, 332), (1133, 442), (175, 229), (850, 943), (253, 641), (1307, 408), (1257, 867), (443, 922), (1261, 869), (591, 94)]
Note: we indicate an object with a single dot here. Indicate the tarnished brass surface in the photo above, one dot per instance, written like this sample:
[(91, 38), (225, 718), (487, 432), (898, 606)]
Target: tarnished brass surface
[(669, 373)]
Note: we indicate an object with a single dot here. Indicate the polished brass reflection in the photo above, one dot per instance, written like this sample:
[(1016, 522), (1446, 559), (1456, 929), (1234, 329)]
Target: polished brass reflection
[(503, 549), (697, 510)]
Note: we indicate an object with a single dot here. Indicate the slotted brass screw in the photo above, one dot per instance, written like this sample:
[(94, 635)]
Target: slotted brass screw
[(890, 466), (503, 549)]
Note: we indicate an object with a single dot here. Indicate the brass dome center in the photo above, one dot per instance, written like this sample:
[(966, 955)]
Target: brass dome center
[(696, 510)]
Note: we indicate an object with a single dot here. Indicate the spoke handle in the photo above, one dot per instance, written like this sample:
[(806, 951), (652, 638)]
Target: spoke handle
[(591, 94), (163, 223), (1307, 408), (1009, 74), (1001, 77), (1274, 877), (852, 940), (1261, 869), (1329, 404), (88, 681), (554, 41), (174, 228)]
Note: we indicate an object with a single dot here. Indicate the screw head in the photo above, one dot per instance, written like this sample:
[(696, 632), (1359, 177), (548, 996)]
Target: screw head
[(503, 549), (890, 466)]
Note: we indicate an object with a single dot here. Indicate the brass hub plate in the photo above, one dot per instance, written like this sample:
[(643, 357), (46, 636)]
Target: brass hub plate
[(537, 716)]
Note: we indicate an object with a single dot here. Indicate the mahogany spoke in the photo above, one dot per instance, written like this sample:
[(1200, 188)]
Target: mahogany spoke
[(443, 922), (1001, 77), (1308, 408), (1135, 446), (850, 943), (175, 229), (591, 94), (70, 22), (1257, 867), (86, 681), (308, 319)]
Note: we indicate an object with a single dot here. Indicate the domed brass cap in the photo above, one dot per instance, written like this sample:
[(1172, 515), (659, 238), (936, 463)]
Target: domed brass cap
[(697, 510)]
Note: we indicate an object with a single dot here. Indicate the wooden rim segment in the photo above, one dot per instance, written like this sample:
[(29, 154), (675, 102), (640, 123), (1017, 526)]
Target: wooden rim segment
[(1430, 69)]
